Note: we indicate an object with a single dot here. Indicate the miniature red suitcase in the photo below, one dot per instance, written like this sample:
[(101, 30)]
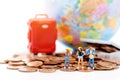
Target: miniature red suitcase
[(42, 34)]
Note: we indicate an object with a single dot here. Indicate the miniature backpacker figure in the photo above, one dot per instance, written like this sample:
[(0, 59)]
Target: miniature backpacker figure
[(42, 34)]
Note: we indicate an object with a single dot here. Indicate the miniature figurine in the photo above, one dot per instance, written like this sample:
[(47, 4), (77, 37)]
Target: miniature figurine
[(91, 53), (80, 53), (67, 59)]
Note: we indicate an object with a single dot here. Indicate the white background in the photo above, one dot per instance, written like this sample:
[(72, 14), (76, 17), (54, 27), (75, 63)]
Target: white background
[(14, 15)]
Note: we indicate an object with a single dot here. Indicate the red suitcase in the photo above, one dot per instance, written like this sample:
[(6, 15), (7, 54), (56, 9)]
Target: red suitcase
[(42, 34)]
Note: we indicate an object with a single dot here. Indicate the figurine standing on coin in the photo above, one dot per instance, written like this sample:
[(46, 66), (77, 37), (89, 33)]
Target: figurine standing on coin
[(91, 53), (80, 53), (67, 59)]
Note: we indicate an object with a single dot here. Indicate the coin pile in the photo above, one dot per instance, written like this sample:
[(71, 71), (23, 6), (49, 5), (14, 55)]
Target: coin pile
[(47, 63)]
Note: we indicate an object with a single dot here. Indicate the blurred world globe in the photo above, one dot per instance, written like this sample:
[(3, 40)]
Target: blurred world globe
[(88, 19)]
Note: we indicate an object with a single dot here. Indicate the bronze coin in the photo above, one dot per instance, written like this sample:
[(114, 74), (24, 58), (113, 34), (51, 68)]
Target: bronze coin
[(85, 63), (61, 59), (14, 60), (108, 48), (47, 70), (99, 67), (27, 69), (51, 58), (49, 66), (71, 69), (85, 70), (72, 58), (62, 65), (14, 67), (3, 62), (50, 62), (16, 63), (107, 64), (23, 56), (35, 63), (72, 62), (41, 58), (60, 54), (58, 59)]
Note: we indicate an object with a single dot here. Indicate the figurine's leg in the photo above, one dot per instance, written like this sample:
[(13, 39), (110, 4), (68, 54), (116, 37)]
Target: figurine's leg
[(82, 63), (68, 64), (65, 64), (93, 63), (89, 63), (78, 63)]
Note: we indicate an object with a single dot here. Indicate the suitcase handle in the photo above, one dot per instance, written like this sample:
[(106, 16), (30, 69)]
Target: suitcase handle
[(41, 16)]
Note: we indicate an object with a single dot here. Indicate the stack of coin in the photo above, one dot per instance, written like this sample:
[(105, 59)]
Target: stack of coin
[(46, 63), (50, 63), (105, 65), (15, 63)]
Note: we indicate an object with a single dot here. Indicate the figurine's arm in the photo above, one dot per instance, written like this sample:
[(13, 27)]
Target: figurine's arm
[(87, 51), (83, 53), (77, 53), (70, 53), (94, 51)]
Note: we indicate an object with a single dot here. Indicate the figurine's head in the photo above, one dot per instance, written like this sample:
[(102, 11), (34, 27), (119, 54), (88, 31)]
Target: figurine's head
[(90, 47), (68, 49), (80, 48)]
